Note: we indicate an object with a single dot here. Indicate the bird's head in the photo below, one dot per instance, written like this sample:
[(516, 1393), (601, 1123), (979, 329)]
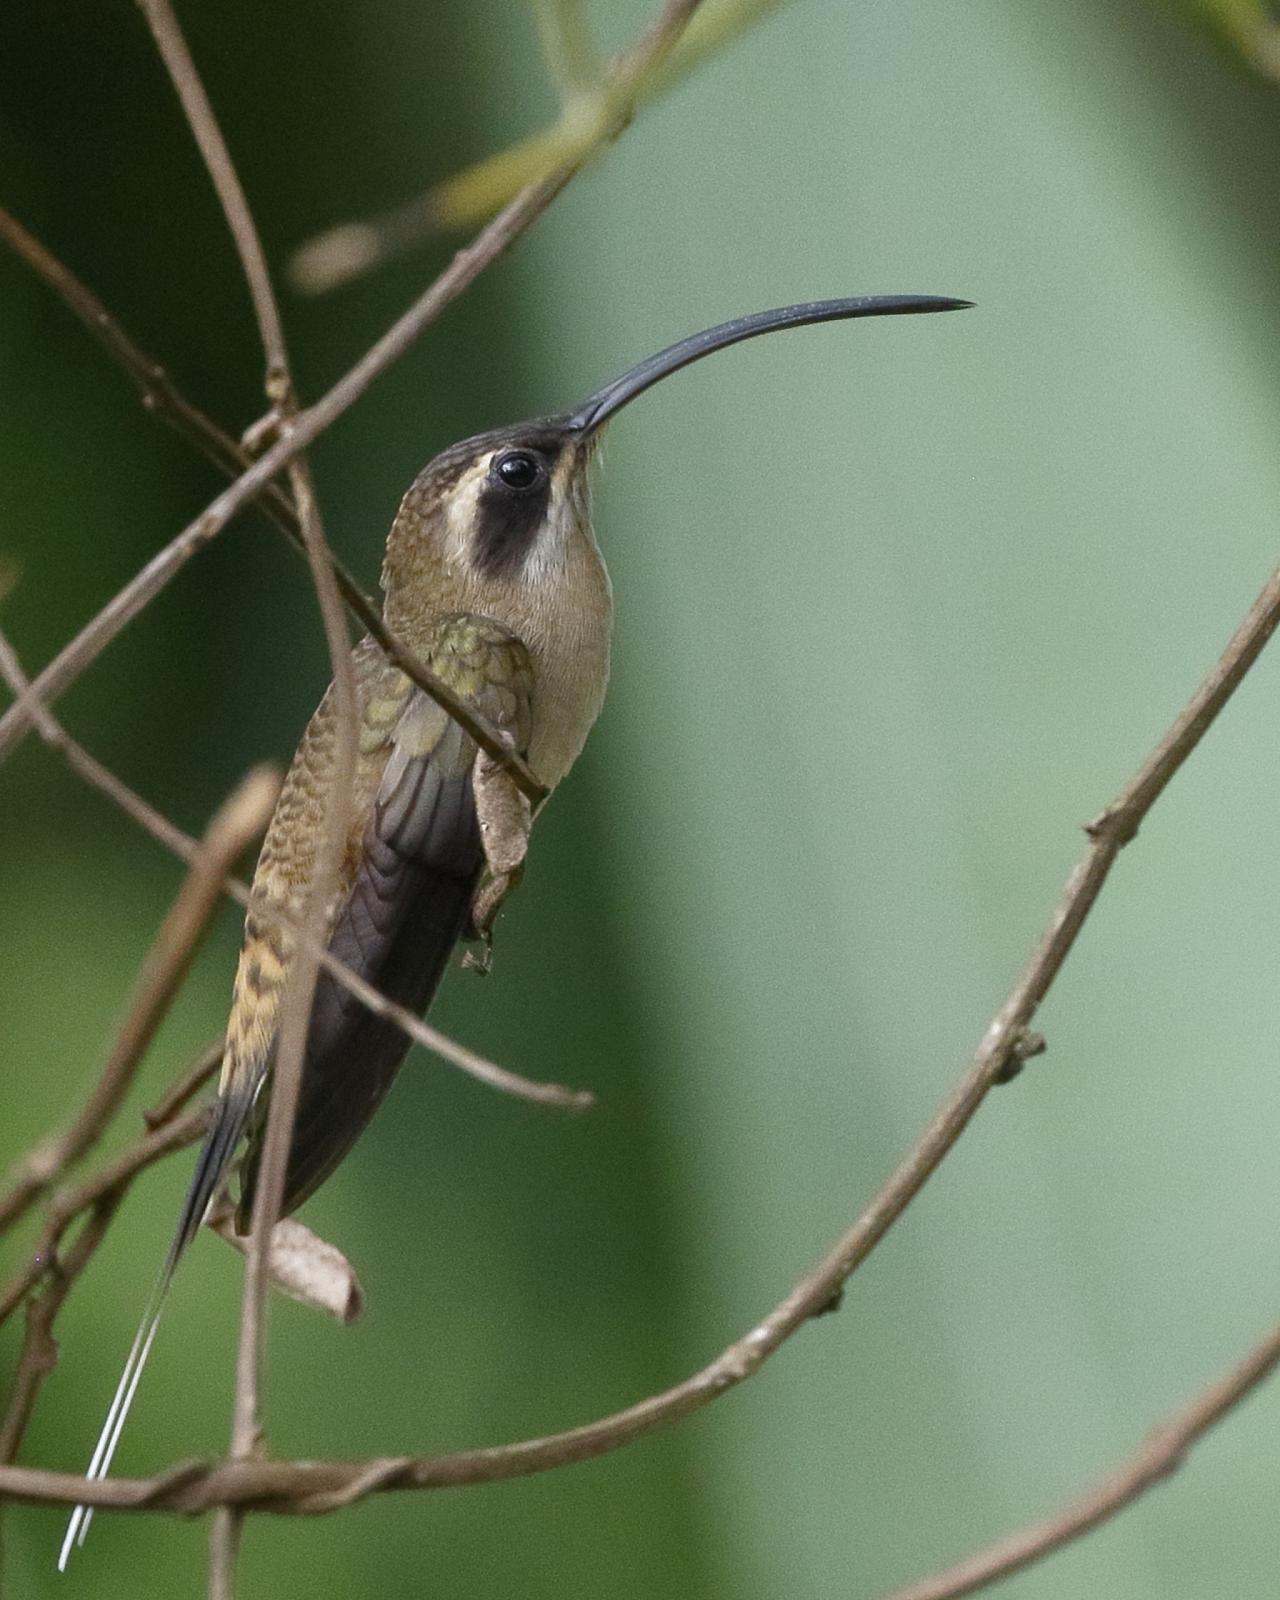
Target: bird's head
[(508, 510)]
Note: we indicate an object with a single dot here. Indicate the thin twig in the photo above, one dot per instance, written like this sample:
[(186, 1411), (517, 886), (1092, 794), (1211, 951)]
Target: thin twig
[(304, 968), (67, 1204), (100, 1196), (1163, 1452), (235, 825), (39, 1353), (89, 768), (159, 393), (186, 1085), (184, 846), (161, 396), (467, 265), (313, 1488), (205, 130), (318, 1487), (594, 108), (291, 1042)]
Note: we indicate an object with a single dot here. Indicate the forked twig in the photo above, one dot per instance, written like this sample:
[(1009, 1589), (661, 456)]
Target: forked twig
[(162, 397), (312, 1487), (308, 1487), (100, 1196), (1163, 1452)]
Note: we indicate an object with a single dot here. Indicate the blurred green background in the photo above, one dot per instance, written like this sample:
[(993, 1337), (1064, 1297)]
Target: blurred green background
[(899, 606)]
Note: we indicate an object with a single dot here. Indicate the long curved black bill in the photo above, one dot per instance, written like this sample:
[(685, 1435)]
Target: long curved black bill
[(602, 405)]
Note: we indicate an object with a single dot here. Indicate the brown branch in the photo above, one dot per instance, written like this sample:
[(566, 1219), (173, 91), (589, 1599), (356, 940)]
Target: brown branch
[(1163, 1452), (338, 800), (161, 397), (315, 1487), (67, 1204), (467, 265), (231, 196), (39, 1354), (235, 825), (182, 845), (186, 1086), (158, 391), (291, 1040), (100, 1196), (89, 768)]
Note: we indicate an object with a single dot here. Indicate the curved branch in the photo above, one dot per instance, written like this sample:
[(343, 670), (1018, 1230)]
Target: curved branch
[(1164, 1451), (162, 397), (490, 243), (314, 1487), (595, 106)]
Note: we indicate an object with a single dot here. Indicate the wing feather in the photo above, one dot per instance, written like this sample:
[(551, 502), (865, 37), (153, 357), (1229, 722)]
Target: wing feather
[(418, 862)]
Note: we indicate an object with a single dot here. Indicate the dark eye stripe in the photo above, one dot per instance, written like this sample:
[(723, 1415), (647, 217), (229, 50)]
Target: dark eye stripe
[(507, 524)]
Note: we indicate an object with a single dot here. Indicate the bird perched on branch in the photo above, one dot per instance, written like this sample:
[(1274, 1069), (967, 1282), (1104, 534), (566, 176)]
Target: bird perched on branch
[(494, 581)]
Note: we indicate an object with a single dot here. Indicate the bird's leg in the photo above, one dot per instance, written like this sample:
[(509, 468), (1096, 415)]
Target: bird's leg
[(505, 818)]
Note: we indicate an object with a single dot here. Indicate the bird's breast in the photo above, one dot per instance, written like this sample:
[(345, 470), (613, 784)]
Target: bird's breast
[(569, 646)]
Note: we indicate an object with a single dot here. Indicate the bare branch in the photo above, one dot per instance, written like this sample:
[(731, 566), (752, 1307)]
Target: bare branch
[(88, 767), (595, 109), (186, 1085), (291, 1044), (161, 397), (159, 394), (315, 1487), (231, 197), (67, 1204), (39, 1353), (235, 825), (100, 1196), (304, 968), (1164, 1451)]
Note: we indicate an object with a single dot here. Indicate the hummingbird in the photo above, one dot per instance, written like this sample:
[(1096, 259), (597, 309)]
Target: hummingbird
[(493, 579)]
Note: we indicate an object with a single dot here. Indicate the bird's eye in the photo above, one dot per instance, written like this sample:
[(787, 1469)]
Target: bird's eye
[(518, 469)]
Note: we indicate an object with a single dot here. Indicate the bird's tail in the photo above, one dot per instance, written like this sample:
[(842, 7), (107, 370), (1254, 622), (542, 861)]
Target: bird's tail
[(230, 1113)]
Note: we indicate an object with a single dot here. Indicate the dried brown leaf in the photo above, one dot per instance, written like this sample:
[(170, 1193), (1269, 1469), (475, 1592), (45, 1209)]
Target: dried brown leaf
[(304, 1266)]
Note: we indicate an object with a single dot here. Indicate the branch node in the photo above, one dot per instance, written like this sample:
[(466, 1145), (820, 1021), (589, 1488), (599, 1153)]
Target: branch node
[(265, 432), (278, 387), (1024, 1044), (1117, 825), (828, 1307)]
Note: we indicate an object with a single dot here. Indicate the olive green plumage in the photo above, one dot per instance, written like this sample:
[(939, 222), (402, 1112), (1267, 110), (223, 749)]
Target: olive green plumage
[(493, 580), (412, 858)]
